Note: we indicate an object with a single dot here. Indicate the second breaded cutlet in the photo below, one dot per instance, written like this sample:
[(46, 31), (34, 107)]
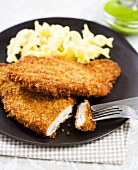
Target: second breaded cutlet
[(59, 76), (39, 112)]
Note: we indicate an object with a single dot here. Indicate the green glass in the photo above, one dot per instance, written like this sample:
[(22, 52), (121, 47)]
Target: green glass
[(121, 18)]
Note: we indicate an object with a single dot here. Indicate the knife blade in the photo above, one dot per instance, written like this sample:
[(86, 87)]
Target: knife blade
[(132, 102)]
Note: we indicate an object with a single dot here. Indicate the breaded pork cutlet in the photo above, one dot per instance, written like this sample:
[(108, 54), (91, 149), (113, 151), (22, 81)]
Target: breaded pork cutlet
[(39, 112), (59, 76), (83, 119)]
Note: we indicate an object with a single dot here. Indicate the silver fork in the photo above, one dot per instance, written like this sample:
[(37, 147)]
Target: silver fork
[(118, 111)]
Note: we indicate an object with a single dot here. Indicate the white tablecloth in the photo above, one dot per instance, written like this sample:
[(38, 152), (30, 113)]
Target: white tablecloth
[(16, 11)]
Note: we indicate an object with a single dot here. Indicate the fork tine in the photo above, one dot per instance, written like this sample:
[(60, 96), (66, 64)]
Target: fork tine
[(119, 111), (104, 115), (105, 109), (106, 112)]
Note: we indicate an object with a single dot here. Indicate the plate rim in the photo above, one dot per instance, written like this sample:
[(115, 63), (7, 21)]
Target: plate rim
[(73, 143)]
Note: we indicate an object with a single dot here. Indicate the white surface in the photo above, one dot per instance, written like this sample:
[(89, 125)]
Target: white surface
[(81, 115), (16, 11)]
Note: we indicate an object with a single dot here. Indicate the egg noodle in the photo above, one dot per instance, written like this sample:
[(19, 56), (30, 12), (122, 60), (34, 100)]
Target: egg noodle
[(49, 40)]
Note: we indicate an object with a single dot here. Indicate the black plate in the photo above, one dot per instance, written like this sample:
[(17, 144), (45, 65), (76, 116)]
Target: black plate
[(125, 87)]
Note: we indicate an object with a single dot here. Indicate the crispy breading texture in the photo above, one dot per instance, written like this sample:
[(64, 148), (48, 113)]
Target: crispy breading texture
[(36, 111), (59, 76), (3, 76), (105, 67), (84, 113)]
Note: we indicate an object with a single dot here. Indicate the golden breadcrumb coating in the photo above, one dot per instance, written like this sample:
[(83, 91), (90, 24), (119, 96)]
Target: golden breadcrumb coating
[(84, 113), (105, 67), (34, 110), (59, 76), (3, 76)]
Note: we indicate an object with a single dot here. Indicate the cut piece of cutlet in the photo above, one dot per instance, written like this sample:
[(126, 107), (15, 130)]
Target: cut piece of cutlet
[(59, 76), (39, 112), (83, 119)]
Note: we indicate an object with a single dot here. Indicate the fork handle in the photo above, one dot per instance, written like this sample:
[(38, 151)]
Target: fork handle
[(132, 102)]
